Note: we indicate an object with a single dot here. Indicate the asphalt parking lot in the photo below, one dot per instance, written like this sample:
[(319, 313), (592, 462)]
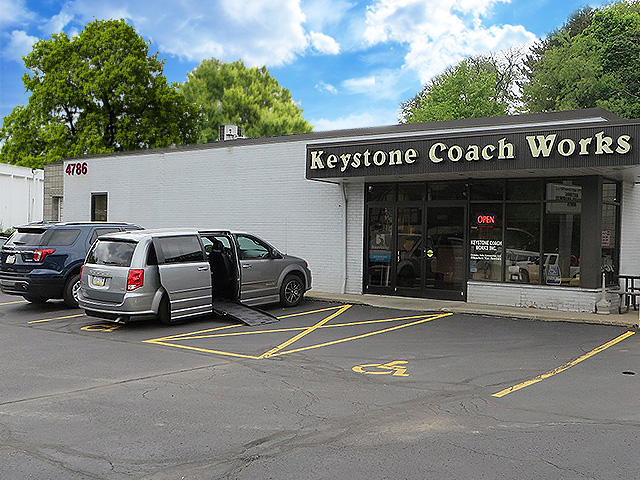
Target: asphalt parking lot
[(329, 391)]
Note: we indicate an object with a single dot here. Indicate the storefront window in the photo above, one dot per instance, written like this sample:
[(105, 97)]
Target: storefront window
[(411, 192), (524, 190), (561, 247), (486, 190), (446, 191), (610, 215), (381, 193), (380, 244), (522, 243), (485, 240)]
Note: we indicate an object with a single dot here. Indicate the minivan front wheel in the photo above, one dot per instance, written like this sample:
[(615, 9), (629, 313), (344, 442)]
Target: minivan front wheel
[(291, 291), (70, 291)]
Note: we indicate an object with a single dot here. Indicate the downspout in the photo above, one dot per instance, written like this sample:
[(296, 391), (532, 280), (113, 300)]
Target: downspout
[(344, 237)]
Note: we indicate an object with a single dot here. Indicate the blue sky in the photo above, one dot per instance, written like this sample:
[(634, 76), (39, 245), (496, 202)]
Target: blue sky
[(347, 63)]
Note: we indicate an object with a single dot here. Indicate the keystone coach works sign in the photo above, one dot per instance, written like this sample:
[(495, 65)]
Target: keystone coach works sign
[(559, 149)]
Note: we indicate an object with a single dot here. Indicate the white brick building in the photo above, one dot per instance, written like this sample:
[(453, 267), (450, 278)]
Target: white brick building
[(510, 210)]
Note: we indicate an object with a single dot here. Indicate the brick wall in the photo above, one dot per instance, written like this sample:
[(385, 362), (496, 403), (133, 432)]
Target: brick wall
[(53, 187), (534, 296), (255, 188)]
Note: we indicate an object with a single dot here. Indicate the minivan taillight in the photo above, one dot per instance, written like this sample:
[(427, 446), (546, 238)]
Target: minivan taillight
[(40, 253), (135, 279)]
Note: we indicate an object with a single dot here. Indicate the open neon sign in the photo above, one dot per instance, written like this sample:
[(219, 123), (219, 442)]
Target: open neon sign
[(486, 219)]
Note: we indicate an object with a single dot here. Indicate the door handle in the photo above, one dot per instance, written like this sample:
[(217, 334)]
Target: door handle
[(246, 265), (202, 269)]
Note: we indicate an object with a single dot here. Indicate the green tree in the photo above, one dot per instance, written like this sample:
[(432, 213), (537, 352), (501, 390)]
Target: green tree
[(94, 93), (481, 86), (594, 61), (248, 97)]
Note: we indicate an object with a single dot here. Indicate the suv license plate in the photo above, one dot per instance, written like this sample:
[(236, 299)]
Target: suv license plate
[(98, 281), (10, 259)]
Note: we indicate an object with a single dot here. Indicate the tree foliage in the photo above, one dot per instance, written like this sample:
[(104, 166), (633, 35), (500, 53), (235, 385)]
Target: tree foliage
[(248, 97), (481, 86), (593, 61), (94, 93)]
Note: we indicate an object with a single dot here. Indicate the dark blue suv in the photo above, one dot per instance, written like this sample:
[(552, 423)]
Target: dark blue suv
[(43, 260)]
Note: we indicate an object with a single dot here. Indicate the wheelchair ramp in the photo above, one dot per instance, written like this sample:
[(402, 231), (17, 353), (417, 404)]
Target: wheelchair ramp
[(249, 315)]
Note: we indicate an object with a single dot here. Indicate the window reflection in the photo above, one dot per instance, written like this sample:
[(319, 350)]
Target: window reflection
[(380, 243), (522, 243), (485, 261)]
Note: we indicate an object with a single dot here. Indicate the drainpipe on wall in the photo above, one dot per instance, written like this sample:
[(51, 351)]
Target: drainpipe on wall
[(344, 233)]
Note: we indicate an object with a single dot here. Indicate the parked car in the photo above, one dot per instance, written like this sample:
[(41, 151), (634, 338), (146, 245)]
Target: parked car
[(42, 261), (175, 274)]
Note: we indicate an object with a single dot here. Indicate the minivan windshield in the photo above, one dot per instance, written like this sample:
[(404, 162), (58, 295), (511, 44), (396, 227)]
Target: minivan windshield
[(112, 252)]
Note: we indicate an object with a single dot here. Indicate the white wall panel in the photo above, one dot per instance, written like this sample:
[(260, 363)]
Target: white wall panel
[(256, 188)]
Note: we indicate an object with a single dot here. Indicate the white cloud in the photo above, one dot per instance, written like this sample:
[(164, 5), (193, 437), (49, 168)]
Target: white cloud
[(18, 44), (324, 43), (359, 120), (326, 87), (360, 85), (14, 12), (384, 84), (260, 32), (439, 33), (57, 23)]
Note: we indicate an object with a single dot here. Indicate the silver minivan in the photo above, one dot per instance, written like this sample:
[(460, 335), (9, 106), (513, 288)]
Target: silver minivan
[(175, 274)]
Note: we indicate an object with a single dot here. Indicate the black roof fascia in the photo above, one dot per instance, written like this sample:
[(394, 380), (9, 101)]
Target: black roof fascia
[(572, 118)]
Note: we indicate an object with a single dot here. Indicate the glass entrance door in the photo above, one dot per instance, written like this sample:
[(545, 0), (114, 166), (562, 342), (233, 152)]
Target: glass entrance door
[(416, 250), (410, 249), (445, 275)]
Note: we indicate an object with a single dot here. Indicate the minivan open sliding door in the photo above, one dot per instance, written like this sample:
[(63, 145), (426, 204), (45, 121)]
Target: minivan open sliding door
[(184, 274)]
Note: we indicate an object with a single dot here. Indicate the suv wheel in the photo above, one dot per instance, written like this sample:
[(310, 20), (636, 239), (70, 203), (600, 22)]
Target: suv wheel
[(37, 300), (291, 291), (70, 292)]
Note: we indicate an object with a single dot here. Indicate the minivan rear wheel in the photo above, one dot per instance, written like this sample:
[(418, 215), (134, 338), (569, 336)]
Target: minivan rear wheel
[(291, 291), (70, 291), (164, 311)]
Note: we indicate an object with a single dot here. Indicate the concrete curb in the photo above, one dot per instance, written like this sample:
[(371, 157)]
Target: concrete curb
[(629, 319)]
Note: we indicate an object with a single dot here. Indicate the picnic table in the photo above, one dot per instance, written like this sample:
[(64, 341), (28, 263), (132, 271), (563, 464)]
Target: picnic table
[(629, 294)]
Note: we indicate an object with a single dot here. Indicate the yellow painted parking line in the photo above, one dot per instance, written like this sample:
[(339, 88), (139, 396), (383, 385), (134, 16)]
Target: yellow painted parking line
[(564, 367), (213, 333), (12, 303), (307, 331), (206, 350), (180, 335), (364, 335), (309, 312), (57, 318), (197, 335)]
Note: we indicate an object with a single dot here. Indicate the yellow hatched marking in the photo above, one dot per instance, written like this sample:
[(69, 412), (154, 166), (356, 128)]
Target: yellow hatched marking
[(307, 331), (206, 350), (364, 335), (309, 312), (187, 335), (564, 367), (57, 318), (194, 335)]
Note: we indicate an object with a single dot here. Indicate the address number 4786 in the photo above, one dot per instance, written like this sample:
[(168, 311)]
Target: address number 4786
[(78, 168)]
